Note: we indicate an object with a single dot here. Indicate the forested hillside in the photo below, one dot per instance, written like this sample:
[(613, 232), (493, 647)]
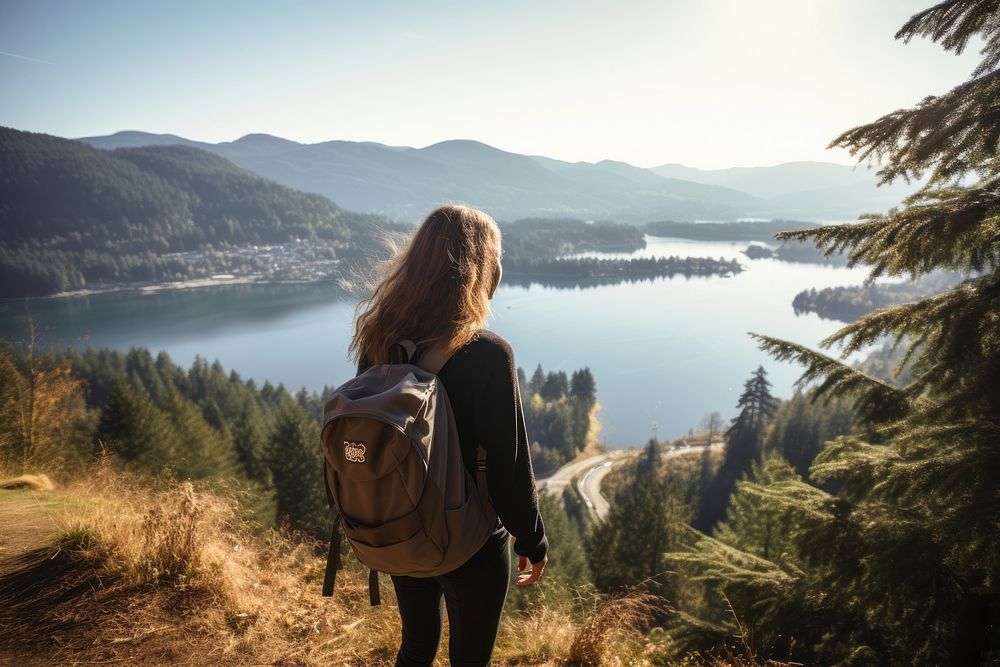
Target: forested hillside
[(540, 250), (402, 181), (60, 409), (74, 216), (405, 182), (849, 303)]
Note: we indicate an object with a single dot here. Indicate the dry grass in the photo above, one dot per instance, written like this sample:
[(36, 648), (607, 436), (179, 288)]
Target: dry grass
[(613, 632), (32, 482), (173, 575), (538, 636)]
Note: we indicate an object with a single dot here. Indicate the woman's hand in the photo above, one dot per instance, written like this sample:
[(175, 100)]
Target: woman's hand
[(525, 578)]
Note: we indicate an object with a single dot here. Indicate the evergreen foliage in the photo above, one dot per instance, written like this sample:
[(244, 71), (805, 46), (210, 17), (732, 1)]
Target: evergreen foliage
[(901, 566), (646, 519), (743, 446), (743, 230), (753, 525), (132, 427), (801, 426), (199, 423), (849, 303), (296, 464), (567, 573), (557, 414), (575, 509), (204, 423)]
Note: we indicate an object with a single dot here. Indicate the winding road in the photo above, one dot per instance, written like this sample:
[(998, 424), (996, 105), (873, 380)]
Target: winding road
[(589, 472)]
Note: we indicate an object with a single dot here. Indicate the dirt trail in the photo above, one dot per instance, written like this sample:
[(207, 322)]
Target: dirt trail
[(25, 525)]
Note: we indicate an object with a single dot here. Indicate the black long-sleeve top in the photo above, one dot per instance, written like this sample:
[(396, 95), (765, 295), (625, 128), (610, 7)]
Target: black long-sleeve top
[(481, 382)]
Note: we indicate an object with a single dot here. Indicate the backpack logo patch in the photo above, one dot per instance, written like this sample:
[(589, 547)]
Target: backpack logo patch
[(354, 452)]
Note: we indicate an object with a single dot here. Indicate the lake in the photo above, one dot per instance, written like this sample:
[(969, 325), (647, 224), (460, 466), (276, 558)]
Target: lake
[(668, 350)]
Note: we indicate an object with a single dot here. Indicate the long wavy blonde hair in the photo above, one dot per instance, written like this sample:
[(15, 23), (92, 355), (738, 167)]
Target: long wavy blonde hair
[(436, 290)]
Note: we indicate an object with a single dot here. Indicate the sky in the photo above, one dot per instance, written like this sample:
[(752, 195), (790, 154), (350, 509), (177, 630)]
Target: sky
[(705, 83)]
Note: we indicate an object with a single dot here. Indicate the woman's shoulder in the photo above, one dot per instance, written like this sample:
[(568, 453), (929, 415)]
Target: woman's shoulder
[(489, 345)]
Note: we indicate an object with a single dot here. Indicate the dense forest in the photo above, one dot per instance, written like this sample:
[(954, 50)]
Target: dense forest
[(559, 413), (849, 303), (58, 409), (794, 251), (590, 271), (536, 238), (133, 215), (542, 251)]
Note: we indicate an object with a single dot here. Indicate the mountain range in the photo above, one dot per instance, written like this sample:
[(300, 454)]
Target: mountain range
[(404, 183)]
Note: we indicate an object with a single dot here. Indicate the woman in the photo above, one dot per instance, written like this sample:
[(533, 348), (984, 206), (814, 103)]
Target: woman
[(436, 293)]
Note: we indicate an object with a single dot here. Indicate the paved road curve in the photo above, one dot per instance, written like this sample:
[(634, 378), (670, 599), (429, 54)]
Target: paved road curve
[(589, 473)]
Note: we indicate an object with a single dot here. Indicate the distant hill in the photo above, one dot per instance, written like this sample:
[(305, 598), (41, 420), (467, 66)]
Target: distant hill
[(802, 189), (768, 182), (73, 215), (404, 182)]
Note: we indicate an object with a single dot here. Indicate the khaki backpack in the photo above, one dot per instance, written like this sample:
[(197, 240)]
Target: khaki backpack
[(394, 473)]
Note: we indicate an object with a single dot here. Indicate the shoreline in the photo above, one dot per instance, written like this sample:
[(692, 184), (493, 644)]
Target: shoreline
[(154, 288)]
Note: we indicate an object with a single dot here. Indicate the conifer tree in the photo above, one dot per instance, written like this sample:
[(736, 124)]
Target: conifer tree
[(801, 426), (752, 524), (743, 445), (644, 521), (583, 396), (250, 441), (910, 545), (296, 465), (583, 387), (133, 427), (567, 571), (575, 509), (139, 365), (203, 451), (705, 475), (555, 386), (537, 380)]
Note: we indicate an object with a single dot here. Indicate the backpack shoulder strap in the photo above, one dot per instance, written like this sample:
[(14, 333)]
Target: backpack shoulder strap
[(402, 351), (333, 561), (373, 593)]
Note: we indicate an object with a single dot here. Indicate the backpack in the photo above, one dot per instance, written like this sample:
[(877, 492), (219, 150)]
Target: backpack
[(394, 473)]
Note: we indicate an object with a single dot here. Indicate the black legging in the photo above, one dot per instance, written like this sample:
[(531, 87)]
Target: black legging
[(474, 595)]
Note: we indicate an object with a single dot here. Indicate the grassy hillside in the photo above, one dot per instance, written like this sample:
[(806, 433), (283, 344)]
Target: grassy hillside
[(172, 573)]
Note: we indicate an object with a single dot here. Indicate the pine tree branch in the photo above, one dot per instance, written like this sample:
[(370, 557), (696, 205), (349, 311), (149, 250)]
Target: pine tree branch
[(950, 228), (874, 400), (953, 22), (950, 134), (853, 460), (959, 343)]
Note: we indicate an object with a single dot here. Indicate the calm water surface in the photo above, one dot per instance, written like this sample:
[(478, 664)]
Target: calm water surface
[(668, 350)]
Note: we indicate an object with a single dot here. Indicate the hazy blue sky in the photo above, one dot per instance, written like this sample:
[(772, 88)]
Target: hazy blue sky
[(708, 83)]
